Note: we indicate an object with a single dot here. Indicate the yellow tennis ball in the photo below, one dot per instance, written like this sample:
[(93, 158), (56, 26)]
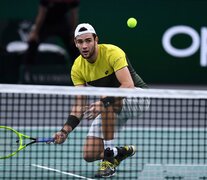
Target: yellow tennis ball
[(131, 22)]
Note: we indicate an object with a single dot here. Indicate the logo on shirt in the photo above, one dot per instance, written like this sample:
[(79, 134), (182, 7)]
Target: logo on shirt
[(106, 72)]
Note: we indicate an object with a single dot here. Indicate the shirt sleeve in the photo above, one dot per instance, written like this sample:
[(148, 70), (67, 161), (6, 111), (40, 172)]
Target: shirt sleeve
[(118, 59)]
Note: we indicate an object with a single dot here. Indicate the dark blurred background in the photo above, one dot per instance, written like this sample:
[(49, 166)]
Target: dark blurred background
[(179, 62)]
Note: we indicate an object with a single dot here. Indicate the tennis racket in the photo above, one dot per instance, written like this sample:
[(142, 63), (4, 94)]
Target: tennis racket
[(11, 141)]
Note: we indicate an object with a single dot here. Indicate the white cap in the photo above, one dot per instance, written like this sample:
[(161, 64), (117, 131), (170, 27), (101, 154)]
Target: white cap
[(88, 29)]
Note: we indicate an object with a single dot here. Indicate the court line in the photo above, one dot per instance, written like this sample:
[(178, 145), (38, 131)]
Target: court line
[(62, 172)]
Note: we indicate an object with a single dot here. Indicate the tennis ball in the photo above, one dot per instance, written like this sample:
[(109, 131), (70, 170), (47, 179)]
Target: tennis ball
[(131, 22)]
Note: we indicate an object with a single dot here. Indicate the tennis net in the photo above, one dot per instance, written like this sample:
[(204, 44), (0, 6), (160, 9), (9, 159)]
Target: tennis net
[(168, 128)]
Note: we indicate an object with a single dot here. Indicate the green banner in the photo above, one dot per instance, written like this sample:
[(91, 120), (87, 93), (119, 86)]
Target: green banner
[(168, 45)]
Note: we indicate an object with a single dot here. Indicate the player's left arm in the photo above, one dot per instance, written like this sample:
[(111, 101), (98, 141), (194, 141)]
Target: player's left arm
[(124, 77)]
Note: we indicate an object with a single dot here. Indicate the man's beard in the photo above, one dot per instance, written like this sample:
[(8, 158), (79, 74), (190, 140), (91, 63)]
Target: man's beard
[(91, 53)]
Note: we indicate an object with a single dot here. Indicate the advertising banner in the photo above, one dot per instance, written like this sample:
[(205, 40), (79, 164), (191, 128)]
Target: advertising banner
[(168, 45)]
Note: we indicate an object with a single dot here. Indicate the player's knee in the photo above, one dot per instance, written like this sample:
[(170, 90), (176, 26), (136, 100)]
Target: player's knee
[(89, 156)]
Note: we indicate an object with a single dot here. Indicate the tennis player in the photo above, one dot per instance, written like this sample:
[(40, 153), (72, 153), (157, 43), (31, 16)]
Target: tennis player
[(101, 65)]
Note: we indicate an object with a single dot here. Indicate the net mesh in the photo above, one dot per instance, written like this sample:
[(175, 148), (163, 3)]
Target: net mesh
[(168, 128)]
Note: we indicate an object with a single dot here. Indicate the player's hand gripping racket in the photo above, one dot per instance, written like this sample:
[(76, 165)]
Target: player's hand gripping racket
[(11, 141)]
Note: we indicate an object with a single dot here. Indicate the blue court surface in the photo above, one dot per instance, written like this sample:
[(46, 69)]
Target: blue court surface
[(161, 154)]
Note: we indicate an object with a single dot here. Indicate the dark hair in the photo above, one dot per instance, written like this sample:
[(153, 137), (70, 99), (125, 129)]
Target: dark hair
[(82, 29), (94, 35)]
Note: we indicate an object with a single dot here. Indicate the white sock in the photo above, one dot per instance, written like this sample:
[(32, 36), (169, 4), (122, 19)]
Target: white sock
[(110, 144), (115, 151)]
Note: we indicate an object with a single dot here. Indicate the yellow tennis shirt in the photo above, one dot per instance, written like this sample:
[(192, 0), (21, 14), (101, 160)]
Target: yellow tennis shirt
[(101, 73)]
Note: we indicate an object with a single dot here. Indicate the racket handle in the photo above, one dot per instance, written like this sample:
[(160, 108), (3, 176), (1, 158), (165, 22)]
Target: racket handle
[(47, 140)]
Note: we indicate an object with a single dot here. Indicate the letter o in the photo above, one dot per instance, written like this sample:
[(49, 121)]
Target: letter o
[(166, 41)]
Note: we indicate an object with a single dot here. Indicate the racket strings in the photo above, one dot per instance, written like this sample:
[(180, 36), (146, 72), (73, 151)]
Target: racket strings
[(8, 142)]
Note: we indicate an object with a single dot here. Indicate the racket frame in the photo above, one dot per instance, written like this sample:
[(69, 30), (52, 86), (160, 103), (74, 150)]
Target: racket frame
[(20, 141)]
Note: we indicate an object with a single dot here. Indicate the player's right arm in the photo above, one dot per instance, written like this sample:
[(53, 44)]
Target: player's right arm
[(73, 120)]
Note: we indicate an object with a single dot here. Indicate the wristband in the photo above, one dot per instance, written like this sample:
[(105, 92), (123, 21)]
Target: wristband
[(107, 101), (72, 121)]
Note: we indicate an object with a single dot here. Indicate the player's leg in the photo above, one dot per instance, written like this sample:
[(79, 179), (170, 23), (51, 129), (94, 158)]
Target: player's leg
[(103, 127), (94, 146), (108, 121), (101, 135), (123, 115), (107, 167), (132, 108), (93, 149), (112, 123)]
